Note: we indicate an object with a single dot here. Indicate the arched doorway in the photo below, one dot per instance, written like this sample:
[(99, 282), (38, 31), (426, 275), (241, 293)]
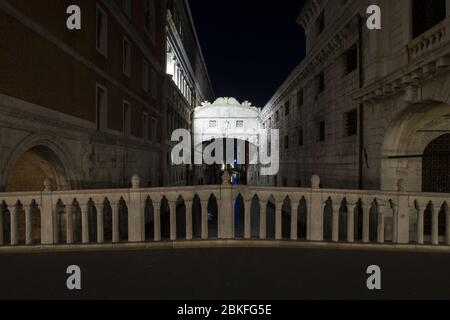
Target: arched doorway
[(33, 167), (406, 139), (436, 165)]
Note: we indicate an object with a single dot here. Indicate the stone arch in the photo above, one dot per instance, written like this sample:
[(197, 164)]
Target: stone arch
[(405, 141), (47, 156)]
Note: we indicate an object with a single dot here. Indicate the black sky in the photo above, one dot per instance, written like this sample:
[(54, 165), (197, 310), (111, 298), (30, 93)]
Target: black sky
[(250, 46)]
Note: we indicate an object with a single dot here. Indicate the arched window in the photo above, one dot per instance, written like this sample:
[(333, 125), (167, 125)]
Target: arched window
[(436, 165)]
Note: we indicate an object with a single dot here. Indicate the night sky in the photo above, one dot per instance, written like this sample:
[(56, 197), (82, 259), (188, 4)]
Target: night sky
[(250, 46)]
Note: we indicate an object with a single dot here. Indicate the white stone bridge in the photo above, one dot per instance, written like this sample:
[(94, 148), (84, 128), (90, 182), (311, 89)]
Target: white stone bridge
[(221, 212)]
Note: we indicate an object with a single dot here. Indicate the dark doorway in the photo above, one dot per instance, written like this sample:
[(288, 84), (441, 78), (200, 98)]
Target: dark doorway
[(436, 166)]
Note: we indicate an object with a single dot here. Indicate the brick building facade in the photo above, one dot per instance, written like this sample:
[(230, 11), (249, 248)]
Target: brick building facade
[(85, 107)]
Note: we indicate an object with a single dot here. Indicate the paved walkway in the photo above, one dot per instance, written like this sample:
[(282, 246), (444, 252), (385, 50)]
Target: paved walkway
[(225, 273)]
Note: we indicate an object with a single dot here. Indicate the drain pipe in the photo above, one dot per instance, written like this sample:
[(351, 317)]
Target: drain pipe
[(361, 105)]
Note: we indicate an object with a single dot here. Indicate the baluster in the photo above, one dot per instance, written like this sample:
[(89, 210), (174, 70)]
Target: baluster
[(351, 221), (395, 221), (69, 223), (157, 220), (380, 230), (278, 219), (366, 221), (115, 222), (14, 223), (335, 233), (447, 224), (189, 223), (100, 222), (85, 223), (205, 234), (28, 225), (248, 219), (173, 220), (2, 213), (420, 207), (263, 221), (294, 218), (435, 225)]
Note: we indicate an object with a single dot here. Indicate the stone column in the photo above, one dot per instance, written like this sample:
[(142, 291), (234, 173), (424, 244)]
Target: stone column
[(278, 220), (69, 224), (173, 220), (402, 218), (394, 222), (447, 224), (204, 219), (1, 223), (248, 219), (263, 220), (115, 223), (226, 212), (336, 208), (85, 223), (366, 222), (189, 223), (136, 212), (351, 222), (28, 225), (294, 218), (14, 224), (48, 221), (157, 220), (315, 211), (100, 224), (435, 226), (420, 221), (380, 224)]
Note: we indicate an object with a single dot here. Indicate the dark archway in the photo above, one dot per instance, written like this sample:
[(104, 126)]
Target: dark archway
[(256, 217), (197, 217), (343, 221), (358, 222), (149, 220), (328, 221), (373, 222), (239, 217), (165, 219), (436, 165), (33, 167), (181, 219), (302, 231), (107, 221), (270, 218), (286, 216), (123, 220), (213, 218)]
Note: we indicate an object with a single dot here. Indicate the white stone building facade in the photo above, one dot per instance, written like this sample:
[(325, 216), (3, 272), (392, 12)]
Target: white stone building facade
[(363, 109)]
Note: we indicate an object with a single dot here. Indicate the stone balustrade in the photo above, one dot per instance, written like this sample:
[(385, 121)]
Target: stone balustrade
[(223, 212), (429, 41)]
